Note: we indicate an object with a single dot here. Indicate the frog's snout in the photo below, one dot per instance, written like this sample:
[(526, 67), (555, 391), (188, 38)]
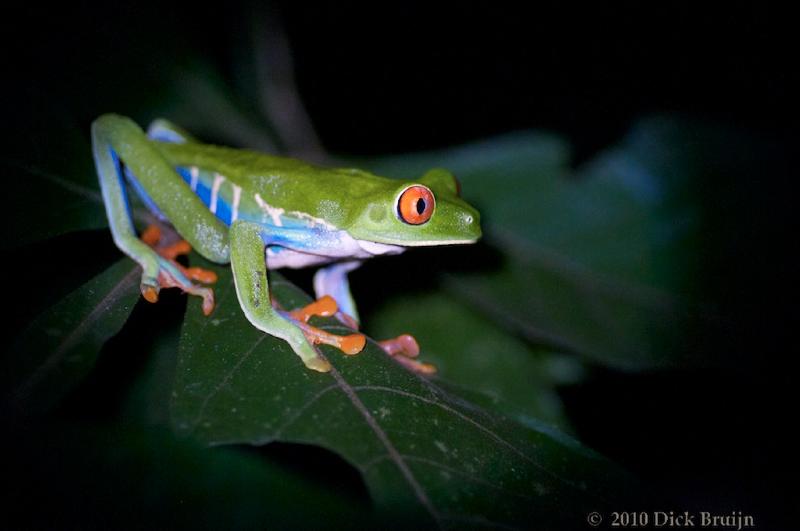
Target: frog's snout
[(471, 224)]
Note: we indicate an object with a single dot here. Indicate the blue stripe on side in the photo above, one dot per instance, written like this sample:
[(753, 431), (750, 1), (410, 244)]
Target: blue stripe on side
[(146, 199), (185, 174), (204, 193), (121, 177), (223, 211)]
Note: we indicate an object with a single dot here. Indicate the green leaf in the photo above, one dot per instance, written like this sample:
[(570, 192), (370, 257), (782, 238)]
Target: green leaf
[(60, 346), (601, 264), (478, 355), (425, 453), (127, 477)]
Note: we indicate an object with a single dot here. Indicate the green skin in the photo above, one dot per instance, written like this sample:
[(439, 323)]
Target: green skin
[(354, 216)]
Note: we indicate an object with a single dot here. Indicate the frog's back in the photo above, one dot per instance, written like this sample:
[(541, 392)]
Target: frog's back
[(242, 184)]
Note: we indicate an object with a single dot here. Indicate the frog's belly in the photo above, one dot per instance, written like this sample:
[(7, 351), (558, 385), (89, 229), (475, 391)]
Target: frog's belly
[(348, 249), (279, 257)]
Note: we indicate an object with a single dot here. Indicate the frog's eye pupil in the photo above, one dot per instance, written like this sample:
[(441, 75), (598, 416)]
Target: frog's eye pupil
[(415, 205)]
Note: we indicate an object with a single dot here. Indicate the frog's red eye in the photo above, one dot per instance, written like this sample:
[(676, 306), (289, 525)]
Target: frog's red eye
[(415, 205)]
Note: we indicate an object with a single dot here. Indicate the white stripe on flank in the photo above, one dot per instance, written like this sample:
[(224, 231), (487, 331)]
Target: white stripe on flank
[(195, 173), (313, 222), (237, 196), (271, 211), (218, 180)]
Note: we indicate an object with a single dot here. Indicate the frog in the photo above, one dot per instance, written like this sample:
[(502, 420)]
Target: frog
[(257, 212)]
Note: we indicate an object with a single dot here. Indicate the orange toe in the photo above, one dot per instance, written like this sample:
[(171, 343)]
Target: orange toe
[(150, 294), (324, 307), (404, 345), (208, 303), (178, 248), (151, 235), (404, 348), (352, 344), (201, 275)]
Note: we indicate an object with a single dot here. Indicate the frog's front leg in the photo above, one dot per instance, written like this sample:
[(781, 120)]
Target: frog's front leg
[(248, 243), (332, 281)]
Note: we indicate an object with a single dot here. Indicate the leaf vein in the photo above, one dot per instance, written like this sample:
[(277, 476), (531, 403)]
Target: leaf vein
[(225, 381), (395, 456), (442, 466), (77, 333), (302, 409), (476, 424)]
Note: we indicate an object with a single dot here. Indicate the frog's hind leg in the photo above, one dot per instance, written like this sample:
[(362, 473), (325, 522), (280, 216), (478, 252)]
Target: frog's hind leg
[(117, 140), (174, 274), (166, 131), (404, 348), (170, 251), (248, 242)]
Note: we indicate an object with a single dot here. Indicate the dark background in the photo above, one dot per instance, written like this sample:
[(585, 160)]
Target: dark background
[(396, 77)]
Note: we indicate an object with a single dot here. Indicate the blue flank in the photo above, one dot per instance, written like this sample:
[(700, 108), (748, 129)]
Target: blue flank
[(204, 193), (184, 172), (223, 213), (146, 199)]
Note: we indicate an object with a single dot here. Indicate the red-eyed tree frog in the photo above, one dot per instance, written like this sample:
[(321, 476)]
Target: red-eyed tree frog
[(262, 212)]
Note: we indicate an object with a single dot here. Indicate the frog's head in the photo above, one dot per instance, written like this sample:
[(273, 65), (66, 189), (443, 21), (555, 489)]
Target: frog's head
[(429, 211)]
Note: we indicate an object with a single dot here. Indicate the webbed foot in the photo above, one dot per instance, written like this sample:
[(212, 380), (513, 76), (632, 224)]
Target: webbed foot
[(171, 274), (325, 307), (404, 349)]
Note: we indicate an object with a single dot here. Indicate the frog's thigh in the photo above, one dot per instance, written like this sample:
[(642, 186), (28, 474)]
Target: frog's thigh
[(116, 136), (250, 276), (106, 132)]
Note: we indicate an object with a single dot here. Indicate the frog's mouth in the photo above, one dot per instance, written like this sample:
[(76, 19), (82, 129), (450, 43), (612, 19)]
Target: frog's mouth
[(375, 248)]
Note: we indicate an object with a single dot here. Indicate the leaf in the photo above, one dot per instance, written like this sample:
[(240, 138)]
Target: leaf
[(61, 345), (426, 454), (127, 477), (599, 265), (478, 355), (148, 400)]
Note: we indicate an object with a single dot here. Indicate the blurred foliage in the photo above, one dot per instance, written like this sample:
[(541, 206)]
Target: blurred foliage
[(595, 265), (125, 477), (598, 261)]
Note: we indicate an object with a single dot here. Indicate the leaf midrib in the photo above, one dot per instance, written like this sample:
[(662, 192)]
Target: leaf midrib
[(75, 335)]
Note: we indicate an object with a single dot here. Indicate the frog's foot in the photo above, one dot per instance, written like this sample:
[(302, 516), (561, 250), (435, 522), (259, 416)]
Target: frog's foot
[(171, 274), (325, 307), (404, 349), (347, 320)]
